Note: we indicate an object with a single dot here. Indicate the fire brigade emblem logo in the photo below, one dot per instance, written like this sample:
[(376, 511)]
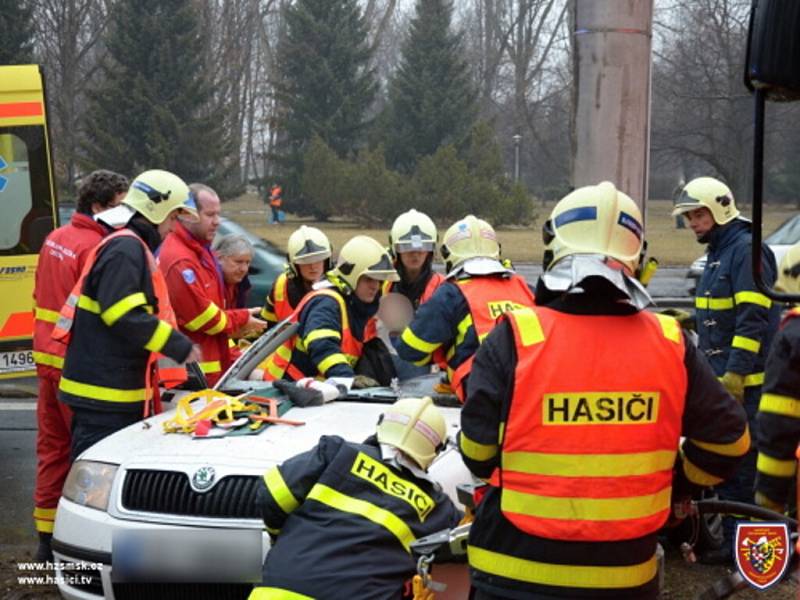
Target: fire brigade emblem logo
[(203, 478), (762, 552)]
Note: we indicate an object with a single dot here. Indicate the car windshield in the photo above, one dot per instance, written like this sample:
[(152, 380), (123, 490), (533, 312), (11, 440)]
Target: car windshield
[(786, 234), (227, 227)]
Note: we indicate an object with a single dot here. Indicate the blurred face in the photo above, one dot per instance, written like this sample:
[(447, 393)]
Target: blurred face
[(208, 212), (311, 272), (234, 268), (700, 221), (413, 261), (367, 289)]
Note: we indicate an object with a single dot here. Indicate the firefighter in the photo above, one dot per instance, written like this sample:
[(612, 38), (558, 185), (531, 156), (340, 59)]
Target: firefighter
[(60, 264), (778, 418), (574, 414), (342, 515), (308, 254), (118, 318), (735, 322), (332, 319), (479, 288), (275, 203), (196, 287)]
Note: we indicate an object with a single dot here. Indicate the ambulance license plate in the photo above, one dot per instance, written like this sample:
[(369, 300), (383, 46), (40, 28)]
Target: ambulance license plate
[(16, 362)]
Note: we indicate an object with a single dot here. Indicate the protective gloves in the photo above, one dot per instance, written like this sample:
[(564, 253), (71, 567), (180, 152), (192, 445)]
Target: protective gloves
[(363, 381), (734, 383)]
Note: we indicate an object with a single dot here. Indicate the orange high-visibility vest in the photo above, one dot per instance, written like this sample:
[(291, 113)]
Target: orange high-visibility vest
[(280, 361), (168, 372), (594, 424), (488, 299), (282, 306)]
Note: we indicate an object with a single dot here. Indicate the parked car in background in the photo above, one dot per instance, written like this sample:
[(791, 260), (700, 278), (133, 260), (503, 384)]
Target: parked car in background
[(779, 241)]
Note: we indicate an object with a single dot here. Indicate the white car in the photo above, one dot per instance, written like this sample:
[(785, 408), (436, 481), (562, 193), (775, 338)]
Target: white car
[(192, 500)]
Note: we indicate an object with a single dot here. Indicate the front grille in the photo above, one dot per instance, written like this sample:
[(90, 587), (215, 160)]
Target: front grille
[(169, 492), (182, 591)]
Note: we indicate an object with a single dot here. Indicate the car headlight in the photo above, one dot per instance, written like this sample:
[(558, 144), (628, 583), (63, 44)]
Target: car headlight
[(89, 483)]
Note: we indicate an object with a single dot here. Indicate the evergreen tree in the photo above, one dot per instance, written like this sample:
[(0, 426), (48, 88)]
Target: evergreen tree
[(151, 109), (432, 98), (16, 32), (326, 84)]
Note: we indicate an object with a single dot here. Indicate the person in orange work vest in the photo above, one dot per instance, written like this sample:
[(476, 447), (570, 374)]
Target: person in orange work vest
[(574, 415), (308, 254), (275, 203), (196, 287), (61, 261)]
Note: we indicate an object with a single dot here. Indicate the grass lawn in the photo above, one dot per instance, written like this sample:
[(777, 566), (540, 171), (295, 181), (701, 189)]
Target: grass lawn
[(670, 246)]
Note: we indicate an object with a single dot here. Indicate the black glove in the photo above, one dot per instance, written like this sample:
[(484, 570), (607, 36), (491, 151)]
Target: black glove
[(301, 397)]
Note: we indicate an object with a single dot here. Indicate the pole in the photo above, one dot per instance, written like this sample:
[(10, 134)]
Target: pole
[(517, 138)]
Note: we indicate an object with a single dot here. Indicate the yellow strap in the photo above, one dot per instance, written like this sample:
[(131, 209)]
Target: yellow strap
[(280, 287), (746, 343), (776, 467), (737, 448), (319, 334), (578, 576), (280, 491), (589, 465), (329, 361), (204, 317), (696, 475), (87, 304), (669, 327), (584, 509), (159, 338), (528, 325), (51, 360), (410, 339), (705, 302), (220, 326), (273, 593), (211, 366), (122, 307), (326, 495), (97, 392), (752, 298), (45, 314), (754, 379), (475, 450), (772, 403), (461, 331)]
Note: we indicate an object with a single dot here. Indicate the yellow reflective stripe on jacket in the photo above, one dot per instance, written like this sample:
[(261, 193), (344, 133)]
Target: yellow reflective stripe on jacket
[(752, 298), (204, 317), (584, 509), (746, 343), (698, 476), (89, 305), (669, 327), (754, 379), (280, 491), (97, 392), (50, 360), (589, 465), (326, 495), (273, 593), (737, 448), (220, 326), (319, 334), (329, 361), (122, 307), (531, 571), (529, 327), (43, 518), (212, 366), (410, 339), (159, 338), (713, 303), (475, 450), (775, 467), (268, 315), (773, 403), (461, 331), (45, 314)]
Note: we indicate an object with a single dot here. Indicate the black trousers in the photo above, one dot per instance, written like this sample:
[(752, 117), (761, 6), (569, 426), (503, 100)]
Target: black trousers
[(91, 426)]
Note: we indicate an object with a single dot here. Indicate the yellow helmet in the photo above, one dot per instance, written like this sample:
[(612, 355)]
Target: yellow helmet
[(413, 231), (470, 237), (789, 271), (307, 245), (415, 426), (364, 256), (709, 193), (596, 219), (155, 194)]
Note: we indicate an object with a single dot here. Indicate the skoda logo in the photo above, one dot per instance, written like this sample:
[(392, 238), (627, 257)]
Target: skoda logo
[(203, 478)]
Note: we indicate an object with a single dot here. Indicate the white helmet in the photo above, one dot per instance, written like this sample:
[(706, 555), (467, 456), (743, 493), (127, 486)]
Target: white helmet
[(467, 238), (364, 256), (155, 194), (710, 193), (789, 271), (415, 426), (413, 231), (307, 245)]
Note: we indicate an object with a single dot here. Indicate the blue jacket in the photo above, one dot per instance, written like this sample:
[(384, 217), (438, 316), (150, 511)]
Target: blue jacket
[(735, 322)]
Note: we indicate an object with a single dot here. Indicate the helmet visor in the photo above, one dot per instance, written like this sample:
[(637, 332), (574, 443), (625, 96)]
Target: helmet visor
[(414, 245)]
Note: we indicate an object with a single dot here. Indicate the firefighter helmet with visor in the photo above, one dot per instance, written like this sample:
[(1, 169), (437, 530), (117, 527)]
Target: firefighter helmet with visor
[(416, 427), (413, 231), (467, 238), (710, 193), (155, 194), (362, 255)]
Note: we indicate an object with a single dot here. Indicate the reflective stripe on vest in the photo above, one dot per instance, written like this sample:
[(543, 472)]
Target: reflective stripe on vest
[(488, 299), (283, 308), (590, 443)]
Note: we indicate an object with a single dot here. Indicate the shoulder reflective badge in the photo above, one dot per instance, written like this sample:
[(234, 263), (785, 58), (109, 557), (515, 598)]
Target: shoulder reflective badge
[(189, 276), (762, 552)]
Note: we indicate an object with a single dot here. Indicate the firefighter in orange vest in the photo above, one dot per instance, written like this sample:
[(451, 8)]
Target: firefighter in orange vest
[(61, 261), (575, 412), (275, 203), (197, 288), (778, 418), (308, 253), (118, 317), (462, 311)]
